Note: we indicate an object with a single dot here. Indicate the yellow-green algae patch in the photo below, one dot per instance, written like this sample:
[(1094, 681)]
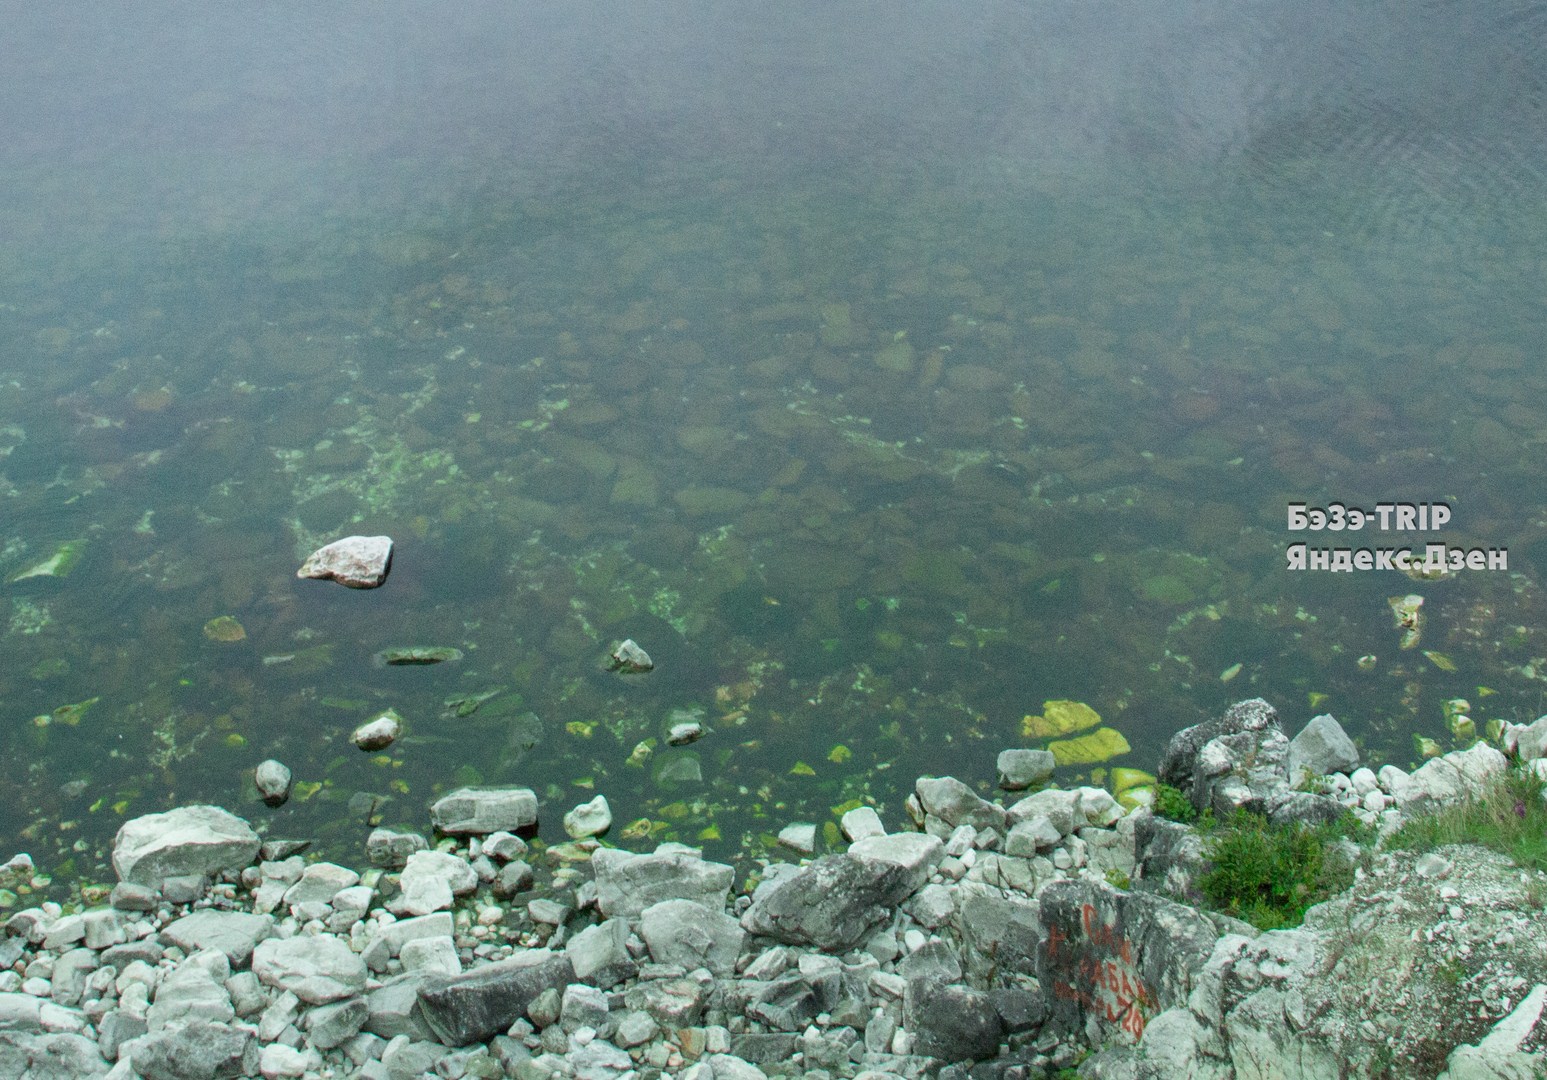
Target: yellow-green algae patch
[(1060, 717), (1100, 745)]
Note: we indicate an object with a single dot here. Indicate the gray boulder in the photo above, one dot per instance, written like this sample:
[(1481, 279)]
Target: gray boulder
[(315, 968), (392, 1009), (190, 841), (467, 811), (390, 849), (1168, 856), (1238, 762), (235, 933), (333, 1025), (1243, 771), (672, 1003), (731, 1067), (954, 803), (1303, 807), (689, 934), (1454, 776), (916, 854), (272, 779), (833, 903), (599, 954), (1178, 762), (59, 1056), (1322, 747), (1021, 768), (953, 1023), (786, 1004), (360, 562), (190, 992), (1113, 958), (999, 933), (479, 1004), (197, 1050), (627, 883), (430, 880)]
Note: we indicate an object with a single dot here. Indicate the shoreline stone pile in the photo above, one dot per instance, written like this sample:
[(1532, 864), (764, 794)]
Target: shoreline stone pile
[(985, 939)]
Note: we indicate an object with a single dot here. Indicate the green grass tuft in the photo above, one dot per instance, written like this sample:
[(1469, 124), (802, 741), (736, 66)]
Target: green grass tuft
[(1508, 816)]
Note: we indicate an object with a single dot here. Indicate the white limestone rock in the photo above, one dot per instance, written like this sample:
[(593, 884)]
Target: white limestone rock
[(589, 819), (360, 562), (861, 822), (378, 734), (690, 935), (317, 968), (190, 841), (273, 781), (628, 883), (470, 810)]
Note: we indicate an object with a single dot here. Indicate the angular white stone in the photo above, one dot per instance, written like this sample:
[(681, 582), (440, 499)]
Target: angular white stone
[(378, 734), (589, 819), (799, 836), (861, 822), (360, 562), (484, 810), (185, 842), (315, 968), (917, 853)]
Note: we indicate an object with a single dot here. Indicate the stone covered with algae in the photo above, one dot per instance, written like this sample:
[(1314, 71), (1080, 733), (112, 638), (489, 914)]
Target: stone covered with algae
[(224, 628), (58, 564), (1100, 745), (1060, 717)]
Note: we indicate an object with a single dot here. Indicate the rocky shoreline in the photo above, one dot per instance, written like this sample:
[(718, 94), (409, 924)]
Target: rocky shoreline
[(980, 938)]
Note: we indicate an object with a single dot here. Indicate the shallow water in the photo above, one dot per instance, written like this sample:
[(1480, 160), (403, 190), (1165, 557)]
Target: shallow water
[(883, 387)]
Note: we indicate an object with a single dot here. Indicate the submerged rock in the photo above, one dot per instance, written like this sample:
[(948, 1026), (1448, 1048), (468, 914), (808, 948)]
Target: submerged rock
[(412, 655), (629, 659), (589, 819), (378, 734), (273, 781), (59, 564), (360, 562)]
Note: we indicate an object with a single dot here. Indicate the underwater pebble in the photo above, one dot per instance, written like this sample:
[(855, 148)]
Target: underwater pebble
[(589, 819), (273, 781), (360, 562), (629, 659), (378, 734)]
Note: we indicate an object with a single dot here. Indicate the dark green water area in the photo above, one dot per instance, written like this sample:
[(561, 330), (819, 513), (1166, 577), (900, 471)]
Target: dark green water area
[(874, 446)]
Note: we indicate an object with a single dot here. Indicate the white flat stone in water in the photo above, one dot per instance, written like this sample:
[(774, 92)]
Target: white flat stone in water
[(360, 562)]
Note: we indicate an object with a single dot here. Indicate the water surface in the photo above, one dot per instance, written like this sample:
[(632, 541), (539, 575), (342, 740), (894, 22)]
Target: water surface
[(883, 374)]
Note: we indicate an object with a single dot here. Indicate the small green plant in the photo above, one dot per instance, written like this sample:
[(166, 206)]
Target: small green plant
[(1117, 879), (1268, 875), (1173, 803), (1452, 972)]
